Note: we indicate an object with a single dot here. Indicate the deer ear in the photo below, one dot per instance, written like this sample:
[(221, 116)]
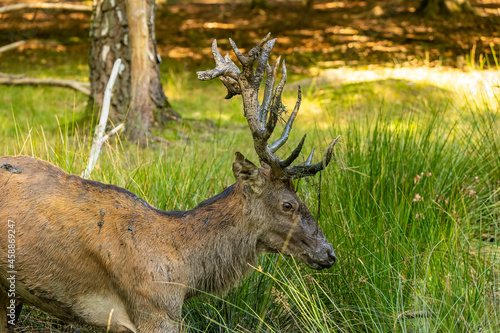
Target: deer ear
[(248, 173)]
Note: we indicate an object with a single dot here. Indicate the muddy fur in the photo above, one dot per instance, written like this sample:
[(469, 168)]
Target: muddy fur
[(84, 248)]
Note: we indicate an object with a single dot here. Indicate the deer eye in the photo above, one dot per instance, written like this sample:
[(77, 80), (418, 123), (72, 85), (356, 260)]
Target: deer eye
[(287, 206)]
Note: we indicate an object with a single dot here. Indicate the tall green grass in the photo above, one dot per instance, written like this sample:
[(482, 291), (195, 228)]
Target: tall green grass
[(405, 208), (414, 188)]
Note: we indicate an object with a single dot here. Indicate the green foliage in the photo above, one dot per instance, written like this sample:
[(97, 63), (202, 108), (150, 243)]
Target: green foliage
[(414, 189)]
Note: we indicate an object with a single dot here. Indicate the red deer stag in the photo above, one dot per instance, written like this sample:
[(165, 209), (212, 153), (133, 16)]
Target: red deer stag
[(96, 254)]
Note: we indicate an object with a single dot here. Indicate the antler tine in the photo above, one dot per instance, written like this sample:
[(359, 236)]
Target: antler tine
[(298, 171), (245, 61), (310, 158), (295, 153), (262, 60), (276, 106), (215, 52), (223, 67), (268, 91), (281, 85), (288, 127), (256, 49)]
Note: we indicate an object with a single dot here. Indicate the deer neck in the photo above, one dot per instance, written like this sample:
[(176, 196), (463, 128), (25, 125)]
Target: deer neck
[(218, 246)]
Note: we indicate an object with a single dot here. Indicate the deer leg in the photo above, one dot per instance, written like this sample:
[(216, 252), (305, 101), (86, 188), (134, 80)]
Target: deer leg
[(158, 313), (158, 323), (166, 319)]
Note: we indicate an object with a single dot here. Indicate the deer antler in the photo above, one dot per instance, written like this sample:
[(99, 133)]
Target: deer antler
[(262, 118)]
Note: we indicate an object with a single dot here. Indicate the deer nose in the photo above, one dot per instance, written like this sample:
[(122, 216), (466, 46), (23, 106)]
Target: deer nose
[(328, 257), (331, 257)]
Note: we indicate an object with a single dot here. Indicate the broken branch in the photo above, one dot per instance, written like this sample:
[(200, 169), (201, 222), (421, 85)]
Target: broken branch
[(12, 46), (8, 79), (99, 137), (41, 5)]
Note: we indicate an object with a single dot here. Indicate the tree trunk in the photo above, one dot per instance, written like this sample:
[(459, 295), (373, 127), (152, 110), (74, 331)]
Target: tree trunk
[(109, 40), (125, 29), (436, 8)]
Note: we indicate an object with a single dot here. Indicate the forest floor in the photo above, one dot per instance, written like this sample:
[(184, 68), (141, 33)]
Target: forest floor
[(331, 34)]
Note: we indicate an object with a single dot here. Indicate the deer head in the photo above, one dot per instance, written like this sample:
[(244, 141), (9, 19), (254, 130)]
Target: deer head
[(270, 195)]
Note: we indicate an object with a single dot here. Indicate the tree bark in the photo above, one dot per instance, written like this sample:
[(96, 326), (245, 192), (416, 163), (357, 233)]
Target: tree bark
[(125, 29), (436, 8), (108, 41)]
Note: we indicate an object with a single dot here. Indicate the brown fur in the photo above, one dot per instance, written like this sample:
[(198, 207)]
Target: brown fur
[(84, 248)]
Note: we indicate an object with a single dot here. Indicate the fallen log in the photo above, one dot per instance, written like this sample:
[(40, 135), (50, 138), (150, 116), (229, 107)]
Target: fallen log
[(41, 5), (9, 79), (12, 46)]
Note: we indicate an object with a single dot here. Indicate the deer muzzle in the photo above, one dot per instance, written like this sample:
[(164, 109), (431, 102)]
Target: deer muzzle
[(321, 257)]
